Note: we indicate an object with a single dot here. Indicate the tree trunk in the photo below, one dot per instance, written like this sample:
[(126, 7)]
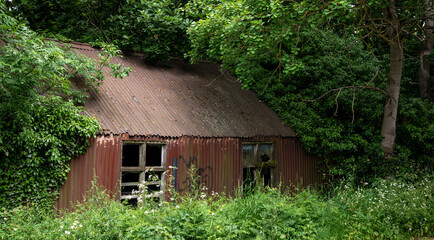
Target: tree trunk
[(427, 47), (388, 128)]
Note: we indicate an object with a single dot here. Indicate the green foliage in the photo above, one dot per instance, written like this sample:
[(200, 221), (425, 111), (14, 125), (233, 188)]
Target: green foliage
[(156, 27), (250, 36), (291, 53), (40, 127), (389, 209), (37, 144)]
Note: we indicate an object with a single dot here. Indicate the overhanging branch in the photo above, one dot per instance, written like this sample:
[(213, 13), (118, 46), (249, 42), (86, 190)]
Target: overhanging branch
[(346, 87)]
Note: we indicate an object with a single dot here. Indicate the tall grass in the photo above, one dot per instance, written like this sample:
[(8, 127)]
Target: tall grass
[(389, 209)]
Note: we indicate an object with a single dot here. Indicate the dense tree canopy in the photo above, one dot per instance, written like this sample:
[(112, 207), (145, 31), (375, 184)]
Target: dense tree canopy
[(347, 76), (326, 73)]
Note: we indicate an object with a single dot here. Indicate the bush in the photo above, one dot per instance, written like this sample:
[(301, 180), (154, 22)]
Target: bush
[(389, 209)]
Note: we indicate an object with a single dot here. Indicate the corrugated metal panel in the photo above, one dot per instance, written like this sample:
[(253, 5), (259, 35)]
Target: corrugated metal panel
[(102, 159), (183, 99), (218, 162)]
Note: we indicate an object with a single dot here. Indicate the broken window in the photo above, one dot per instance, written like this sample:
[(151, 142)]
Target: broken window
[(258, 164), (143, 164)]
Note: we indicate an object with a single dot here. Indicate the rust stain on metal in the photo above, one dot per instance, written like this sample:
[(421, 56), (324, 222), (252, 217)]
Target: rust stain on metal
[(218, 162)]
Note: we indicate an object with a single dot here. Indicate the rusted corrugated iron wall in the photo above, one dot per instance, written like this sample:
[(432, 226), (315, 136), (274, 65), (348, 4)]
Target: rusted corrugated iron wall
[(218, 162), (294, 165), (102, 159)]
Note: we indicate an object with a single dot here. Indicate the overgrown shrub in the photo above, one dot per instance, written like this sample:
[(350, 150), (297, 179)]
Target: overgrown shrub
[(389, 209)]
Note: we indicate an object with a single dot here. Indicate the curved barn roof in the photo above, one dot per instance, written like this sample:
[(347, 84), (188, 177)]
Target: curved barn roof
[(183, 99)]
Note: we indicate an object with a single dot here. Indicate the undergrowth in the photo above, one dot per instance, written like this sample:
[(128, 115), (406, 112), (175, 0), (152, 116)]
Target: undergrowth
[(389, 209)]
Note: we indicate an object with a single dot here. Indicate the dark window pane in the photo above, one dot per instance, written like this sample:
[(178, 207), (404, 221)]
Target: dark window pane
[(128, 190), (130, 177), (153, 155), (249, 154), (130, 155), (154, 188), (265, 152)]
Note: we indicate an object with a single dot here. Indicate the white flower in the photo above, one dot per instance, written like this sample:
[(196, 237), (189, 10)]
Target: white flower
[(73, 226), (61, 226), (80, 225), (5, 219), (15, 229), (67, 232), (177, 206), (146, 212), (170, 167)]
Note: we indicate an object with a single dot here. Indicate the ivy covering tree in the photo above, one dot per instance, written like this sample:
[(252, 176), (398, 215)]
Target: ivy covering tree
[(41, 128)]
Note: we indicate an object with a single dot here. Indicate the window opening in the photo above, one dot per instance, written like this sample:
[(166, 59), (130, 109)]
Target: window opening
[(258, 164), (131, 155), (153, 155), (142, 163), (130, 177)]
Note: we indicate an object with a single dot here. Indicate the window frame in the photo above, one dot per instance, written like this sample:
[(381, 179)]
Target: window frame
[(256, 154), (257, 167), (142, 169)]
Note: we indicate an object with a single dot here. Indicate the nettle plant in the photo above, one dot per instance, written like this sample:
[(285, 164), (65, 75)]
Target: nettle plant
[(41, 128)]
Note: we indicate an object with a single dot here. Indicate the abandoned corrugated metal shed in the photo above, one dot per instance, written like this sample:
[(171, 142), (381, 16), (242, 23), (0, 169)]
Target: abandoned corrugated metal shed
[(164, 120)]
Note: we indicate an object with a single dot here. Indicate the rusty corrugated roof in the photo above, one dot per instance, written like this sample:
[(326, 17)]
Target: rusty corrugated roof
[(183, 99)]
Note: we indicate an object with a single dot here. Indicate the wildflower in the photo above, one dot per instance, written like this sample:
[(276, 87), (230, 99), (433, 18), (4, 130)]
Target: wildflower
[(5, 219), (73, 226), (61, 226), (67, 232), (15, 229), (146, 212), (217, 226), (170, 167), (177, 206), (80, 225)]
